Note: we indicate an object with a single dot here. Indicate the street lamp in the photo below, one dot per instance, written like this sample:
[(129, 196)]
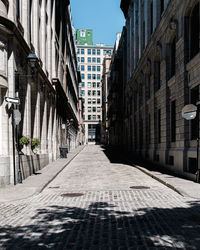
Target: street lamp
[(189, 112), (32, 60)]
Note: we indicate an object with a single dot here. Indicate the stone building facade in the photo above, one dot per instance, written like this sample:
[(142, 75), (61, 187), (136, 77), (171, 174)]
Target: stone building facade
[(104, 81), (161, 75), (48, 92), (90, 58)]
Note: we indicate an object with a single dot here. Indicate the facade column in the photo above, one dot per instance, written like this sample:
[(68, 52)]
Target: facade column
[(49, 42), (43, 37), (53, 42), (54, 130), (8, 139), (50, 128), (44, 124), (27, 113), (35, 25), (36, 128), (25, 19)]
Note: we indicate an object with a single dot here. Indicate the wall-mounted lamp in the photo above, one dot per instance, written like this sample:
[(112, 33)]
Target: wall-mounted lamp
[(32, 60)]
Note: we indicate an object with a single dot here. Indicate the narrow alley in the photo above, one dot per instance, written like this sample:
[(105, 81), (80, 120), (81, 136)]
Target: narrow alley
[(98, 202)]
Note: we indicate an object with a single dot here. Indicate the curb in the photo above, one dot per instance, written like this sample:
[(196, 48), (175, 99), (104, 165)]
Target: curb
[(40, 189), (157, 178)]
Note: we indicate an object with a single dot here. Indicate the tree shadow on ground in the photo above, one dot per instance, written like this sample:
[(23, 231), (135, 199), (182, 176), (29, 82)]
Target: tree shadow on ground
[(104, 226)]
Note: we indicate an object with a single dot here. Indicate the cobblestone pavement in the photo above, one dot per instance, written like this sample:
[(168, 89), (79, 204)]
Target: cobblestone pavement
[(90, 205)]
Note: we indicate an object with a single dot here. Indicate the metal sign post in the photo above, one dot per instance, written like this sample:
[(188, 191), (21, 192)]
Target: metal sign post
[(189, 112), (16, 118)]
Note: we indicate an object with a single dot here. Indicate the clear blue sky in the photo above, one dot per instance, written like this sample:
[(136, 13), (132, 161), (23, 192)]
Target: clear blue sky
[(104, 17)]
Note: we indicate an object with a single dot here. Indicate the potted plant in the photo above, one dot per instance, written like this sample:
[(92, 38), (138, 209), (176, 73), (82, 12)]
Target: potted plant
[(24, 141), (34, 143)]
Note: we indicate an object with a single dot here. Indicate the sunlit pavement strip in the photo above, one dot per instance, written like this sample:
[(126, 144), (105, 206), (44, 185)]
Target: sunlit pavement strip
[(109, 215)]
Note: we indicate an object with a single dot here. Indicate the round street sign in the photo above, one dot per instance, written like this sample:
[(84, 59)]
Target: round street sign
[(189, 112), (17, 116)]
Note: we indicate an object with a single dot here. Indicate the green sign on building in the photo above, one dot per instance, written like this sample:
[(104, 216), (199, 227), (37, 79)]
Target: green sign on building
[(84, 36)]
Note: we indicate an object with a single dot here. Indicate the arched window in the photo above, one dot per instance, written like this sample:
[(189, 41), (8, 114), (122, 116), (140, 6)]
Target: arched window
[(194, 31)]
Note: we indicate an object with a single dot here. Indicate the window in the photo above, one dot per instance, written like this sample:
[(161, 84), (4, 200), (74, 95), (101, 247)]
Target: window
[(82, 76), (94, 52), (82, 33), (98, 109), (93, 100), (93, 92), (82, 92), (89, 100), (89, 59), (89, 109), (98, 68), (82, 67), (82, 84), (148, 129), (194, 128), (82, 51), (82, 59), (89, 117), (94, 59), (159, 126), (162, 2), (98, 92), (194, 31), (98, 52), (89, 76), (98, 76), (98, 101), (147, 88), (98, 60), (173, 57), (94, 109), (18, 9), (141, 132), (151, 17), (93, 68), (89, 51), (98, 117), (89, 68), (93, 76), (78, 51), (156, 76), (94, 84), (89, 84), (89, 92), (173, 121), (140, 94), (107, 52), (94, 117), (98, 84), (78, 59)]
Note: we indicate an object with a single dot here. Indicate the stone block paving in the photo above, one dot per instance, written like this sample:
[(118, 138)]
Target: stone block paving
[(90, 205)]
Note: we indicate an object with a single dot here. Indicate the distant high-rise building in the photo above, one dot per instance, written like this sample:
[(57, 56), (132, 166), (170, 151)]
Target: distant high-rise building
[(84, 37), (90, 58)]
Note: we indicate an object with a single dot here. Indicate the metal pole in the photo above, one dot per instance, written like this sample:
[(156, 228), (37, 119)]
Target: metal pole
[(13, 140), (19, 175), (198, 166)]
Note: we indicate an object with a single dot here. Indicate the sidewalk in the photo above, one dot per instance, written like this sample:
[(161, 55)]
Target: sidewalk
[(184, 187), (34, 184)]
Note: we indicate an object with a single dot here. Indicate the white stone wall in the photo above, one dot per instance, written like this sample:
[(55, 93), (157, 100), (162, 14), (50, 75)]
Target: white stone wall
[(35, 31)]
